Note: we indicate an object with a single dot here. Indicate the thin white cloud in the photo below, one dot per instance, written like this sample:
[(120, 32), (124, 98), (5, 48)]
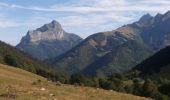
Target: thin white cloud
[(5, 22), (101, 6), (153, 2), (108, 9), (86, 16)]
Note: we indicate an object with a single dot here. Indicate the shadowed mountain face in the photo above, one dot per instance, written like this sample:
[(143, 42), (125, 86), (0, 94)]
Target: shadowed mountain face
[(48, 41), (118, 50), (157, 65)]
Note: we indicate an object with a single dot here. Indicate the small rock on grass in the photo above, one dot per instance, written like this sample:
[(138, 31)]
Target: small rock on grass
[(42, 89)]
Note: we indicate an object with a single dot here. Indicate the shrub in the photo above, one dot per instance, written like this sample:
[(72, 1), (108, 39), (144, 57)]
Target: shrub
[(81, 80), (10, 60)]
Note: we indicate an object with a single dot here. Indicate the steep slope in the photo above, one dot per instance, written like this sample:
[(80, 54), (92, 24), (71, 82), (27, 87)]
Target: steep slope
[(11, 56), (157, 65), (120, 59), (22, 85), (48, 41), (154, 31), (97, 46)]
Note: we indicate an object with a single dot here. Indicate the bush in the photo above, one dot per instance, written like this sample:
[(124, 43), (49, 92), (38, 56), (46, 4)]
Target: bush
[(137, 88), (165, 89), (105, 84), (151, 90), (10, 60), (81, 80), (114, 84)]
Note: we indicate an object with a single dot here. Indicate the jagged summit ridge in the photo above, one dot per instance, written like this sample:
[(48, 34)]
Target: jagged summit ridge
[(51, 31), (146, 17)]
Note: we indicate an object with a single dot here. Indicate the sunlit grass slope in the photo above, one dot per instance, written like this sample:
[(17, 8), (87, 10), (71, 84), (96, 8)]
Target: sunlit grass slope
[(17, 84)]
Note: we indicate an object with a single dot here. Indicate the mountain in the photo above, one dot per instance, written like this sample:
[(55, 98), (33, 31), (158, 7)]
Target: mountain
[(119, 60), (48, 41), (104, 48), (154, 31), (118, 50), (11, 56), (22, 85), (157, 65)]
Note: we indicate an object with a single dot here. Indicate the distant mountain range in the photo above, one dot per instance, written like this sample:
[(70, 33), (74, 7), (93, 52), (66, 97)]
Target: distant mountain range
[(48, 41), (102, 53), (118, 50)]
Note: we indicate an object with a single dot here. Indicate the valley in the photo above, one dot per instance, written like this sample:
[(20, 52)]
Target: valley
[(77, 50)]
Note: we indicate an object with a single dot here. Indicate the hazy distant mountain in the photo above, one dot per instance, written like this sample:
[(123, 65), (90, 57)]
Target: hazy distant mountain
[(48, 41)]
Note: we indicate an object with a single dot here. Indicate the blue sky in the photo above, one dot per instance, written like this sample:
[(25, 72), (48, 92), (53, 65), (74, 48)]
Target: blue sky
[(82, 17)]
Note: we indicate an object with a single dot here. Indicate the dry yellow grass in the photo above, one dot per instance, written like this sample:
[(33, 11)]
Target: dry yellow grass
[(28, 86)]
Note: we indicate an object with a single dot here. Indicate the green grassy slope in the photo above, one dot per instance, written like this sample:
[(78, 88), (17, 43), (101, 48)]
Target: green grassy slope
[(28, 86), (11, 56)]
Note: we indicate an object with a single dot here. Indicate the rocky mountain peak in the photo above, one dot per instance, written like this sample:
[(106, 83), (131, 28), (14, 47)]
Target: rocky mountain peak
[(145, 17), (51, 31), (48, 41), (158, 15), (167, 13), (54, 25), (166, 16)]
